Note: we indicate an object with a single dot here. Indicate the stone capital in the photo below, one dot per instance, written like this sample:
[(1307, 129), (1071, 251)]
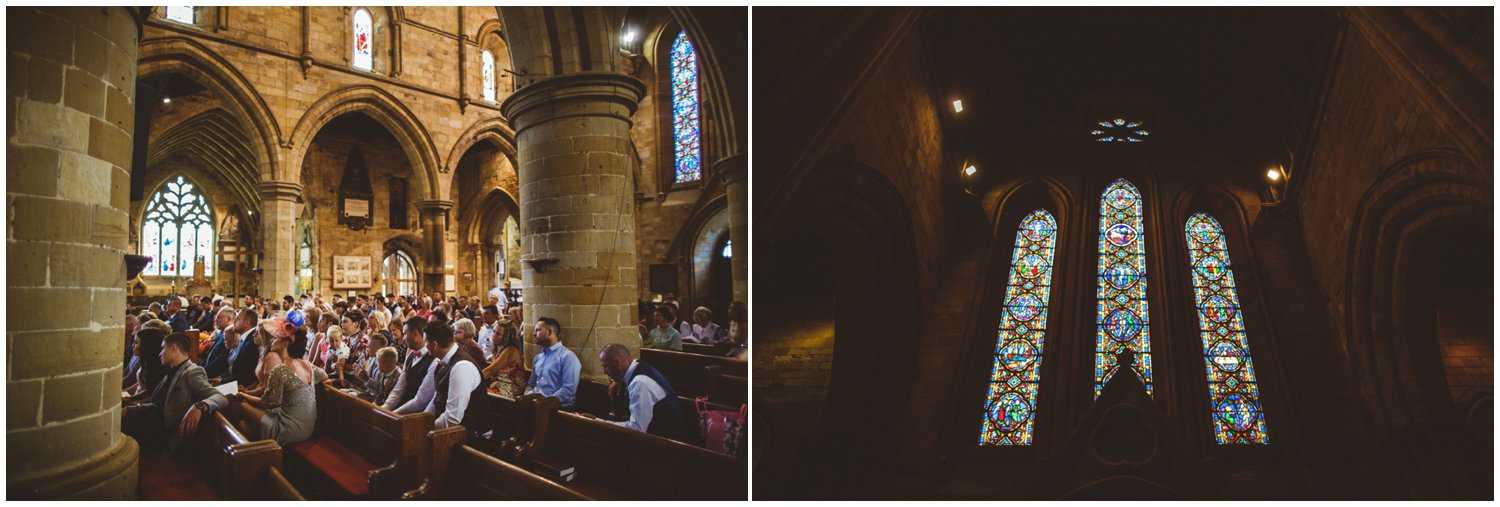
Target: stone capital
[(579, 94), (278, 190), (732, 168), (434, 205)]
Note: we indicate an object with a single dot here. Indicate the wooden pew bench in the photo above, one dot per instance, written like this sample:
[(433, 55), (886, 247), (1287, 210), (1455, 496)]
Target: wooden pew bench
[(726, 388), (611, 462), (512, 419), (366, 451), (228, 467), (460, 472), (717, 350), (687, 371)]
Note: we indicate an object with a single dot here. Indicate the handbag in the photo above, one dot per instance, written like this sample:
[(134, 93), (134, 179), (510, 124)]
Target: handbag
[(723, 430)]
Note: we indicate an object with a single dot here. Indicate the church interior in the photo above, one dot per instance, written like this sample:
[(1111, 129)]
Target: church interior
[(570, 181), (1124, 253)]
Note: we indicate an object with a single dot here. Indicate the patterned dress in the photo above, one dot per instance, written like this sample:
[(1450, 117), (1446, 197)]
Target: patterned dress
[(294, 409), (512, 375)]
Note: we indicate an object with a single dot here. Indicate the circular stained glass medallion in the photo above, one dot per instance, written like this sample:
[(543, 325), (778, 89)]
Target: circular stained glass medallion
[(1204, 231), (1036, 230), (1120, 235), (1031, 266), (1211, 267), (1009, 413), (1120, 198), (1218, 308), (1236, 411), (1025, 307), (1017, 356), (1122, 325), (1122, 275), (1226, 356)]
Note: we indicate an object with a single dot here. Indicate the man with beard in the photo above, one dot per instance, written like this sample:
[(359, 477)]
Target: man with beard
[(554, 372)]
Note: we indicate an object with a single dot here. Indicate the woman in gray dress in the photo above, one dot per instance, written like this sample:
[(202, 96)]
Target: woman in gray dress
[(287, 411)]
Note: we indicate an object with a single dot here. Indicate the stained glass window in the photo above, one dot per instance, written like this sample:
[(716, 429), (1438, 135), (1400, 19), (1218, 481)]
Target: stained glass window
[(1010, 406), (1233, 390), (180, 14), (488, 70), (685, 109), (399, 274), (1122, 314), (177, 230), (1120, 130), (728, 252), (363, 53)]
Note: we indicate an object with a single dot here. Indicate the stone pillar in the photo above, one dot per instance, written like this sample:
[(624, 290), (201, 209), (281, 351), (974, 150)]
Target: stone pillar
[(435, 228), (71, 103), (737, 186), (278, 260), (577, 208)]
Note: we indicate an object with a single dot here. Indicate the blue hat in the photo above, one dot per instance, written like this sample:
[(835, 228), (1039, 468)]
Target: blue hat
[(295, 317)]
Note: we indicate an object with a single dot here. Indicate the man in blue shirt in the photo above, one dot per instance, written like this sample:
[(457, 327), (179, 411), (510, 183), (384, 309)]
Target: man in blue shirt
[(554, 372)]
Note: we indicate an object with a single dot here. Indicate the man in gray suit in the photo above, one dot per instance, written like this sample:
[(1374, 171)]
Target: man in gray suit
[(177, 403)]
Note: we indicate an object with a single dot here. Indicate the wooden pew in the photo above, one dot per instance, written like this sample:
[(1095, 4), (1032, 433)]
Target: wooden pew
[(513, 421), (686, 371), (367, 451), (617, 463), (228, 467), (716, 350), (732, 390), (479, 476)]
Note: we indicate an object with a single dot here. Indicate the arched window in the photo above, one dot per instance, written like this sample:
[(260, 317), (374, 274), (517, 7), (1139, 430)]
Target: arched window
[(1010, 406), (685, 132), (177, 230), (305, 261), (487, 69), (399, 273), (728, 251), (180, 14), (363, 40), (1122, 314), (1233, 390)]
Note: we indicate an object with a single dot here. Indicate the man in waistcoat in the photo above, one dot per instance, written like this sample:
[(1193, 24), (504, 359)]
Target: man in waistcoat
[(653, 402)]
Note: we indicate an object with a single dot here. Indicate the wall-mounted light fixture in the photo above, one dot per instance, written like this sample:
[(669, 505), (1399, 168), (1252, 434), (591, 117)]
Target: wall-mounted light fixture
[(166, 100), (958, 106), (627, 38), (1276, 181)]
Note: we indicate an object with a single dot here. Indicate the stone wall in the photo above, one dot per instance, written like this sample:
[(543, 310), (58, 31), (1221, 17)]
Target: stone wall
[(67, 190)]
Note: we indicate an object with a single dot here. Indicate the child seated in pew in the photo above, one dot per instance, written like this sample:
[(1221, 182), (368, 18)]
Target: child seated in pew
[(382, 381)]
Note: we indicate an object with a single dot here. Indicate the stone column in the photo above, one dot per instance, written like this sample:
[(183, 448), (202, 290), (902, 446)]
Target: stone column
[(71, 99), (278, 260), (435, 228), (734, 172), (577, 208)]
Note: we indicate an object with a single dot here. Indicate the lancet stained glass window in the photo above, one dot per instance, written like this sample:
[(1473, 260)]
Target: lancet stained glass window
[(1119, 130), (488, 70), (180, 14), (363, 52), (685, 132), (1010, 406), (177, 230), (1122, 314), (1233, 390)]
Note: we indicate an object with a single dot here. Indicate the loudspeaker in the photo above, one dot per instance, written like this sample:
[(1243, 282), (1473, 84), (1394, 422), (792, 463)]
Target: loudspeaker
[(663, 278)]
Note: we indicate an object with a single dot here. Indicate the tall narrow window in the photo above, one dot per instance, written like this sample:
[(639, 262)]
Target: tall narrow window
[(487, 69), (728, 251), (305, 261), (363, 34), (180, 14), (399, 274), (1010, 406), (685, 132), (1122, 315), (178, 230), (1233, 390)]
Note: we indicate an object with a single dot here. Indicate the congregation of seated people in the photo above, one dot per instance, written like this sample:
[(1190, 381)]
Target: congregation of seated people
[(259, 362)]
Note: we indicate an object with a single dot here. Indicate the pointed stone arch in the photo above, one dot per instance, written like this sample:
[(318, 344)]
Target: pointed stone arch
[(386, 110), (495, 130), (178, 55)]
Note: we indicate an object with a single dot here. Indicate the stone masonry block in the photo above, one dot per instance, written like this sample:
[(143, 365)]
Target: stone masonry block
[(73, 441), (23, 401), (26, 263), (52, 353), (84, 179), (83, 92), (32, 171), (109, 143), (51, 125), (70, 397), (38, 218)]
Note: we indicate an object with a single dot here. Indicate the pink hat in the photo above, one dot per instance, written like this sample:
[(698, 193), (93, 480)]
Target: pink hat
[(278, 327)]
